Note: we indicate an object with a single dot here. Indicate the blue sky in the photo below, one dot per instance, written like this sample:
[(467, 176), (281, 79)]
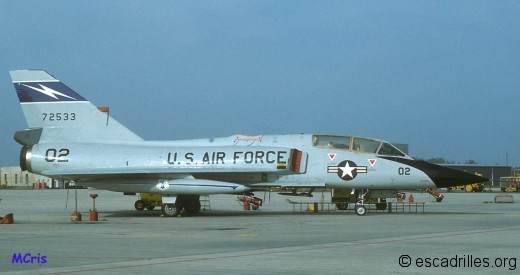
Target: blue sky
[(441, 76)]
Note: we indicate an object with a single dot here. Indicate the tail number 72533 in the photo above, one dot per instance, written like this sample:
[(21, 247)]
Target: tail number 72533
[(58, 116)]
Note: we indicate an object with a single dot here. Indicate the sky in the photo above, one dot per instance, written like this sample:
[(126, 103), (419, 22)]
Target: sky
[(441, 76)]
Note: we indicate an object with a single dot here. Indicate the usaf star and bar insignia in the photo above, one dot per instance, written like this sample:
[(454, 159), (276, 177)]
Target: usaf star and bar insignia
[(347, 170)]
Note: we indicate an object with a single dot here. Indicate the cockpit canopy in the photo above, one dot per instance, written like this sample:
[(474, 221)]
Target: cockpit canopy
[(356, 144)]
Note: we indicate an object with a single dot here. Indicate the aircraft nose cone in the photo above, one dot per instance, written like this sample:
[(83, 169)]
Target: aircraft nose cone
[(440, 175), (447, 177)]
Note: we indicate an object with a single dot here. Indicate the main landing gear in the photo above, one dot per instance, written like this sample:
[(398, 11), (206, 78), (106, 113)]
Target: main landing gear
[(184, 204)]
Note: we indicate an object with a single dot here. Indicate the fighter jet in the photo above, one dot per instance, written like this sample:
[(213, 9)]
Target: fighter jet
[(71, 139)]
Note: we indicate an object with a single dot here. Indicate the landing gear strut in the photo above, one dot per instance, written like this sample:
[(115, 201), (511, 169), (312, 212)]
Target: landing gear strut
[(360, 205)]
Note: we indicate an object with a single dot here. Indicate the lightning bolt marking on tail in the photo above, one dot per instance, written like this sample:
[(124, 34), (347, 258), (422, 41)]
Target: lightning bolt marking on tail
[(48, 92)]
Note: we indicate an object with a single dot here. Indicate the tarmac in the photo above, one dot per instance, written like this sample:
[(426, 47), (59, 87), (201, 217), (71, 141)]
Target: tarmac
[(467, 233)]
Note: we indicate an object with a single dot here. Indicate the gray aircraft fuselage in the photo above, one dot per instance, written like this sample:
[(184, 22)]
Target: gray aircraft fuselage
[(262, 162), (69, 138)]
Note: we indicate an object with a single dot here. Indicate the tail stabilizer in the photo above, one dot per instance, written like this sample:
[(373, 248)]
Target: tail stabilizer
[(63, 114)]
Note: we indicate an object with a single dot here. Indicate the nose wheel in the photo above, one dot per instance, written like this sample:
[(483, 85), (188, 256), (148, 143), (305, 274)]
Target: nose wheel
[(360, 210)]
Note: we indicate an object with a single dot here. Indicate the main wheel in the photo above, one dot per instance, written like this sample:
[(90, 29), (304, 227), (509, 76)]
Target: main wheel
[(169, 210), (360, 210), (139, 205), (150, 207)]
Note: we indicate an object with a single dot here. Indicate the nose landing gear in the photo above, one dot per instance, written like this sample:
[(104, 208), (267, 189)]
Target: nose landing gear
[(360, 204)]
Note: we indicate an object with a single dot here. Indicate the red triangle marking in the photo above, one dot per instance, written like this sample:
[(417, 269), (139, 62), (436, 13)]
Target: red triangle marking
[(372, 162), (332, 156)]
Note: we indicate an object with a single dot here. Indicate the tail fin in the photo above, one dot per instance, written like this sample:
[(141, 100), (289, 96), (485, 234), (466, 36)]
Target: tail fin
[(58, 113)]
